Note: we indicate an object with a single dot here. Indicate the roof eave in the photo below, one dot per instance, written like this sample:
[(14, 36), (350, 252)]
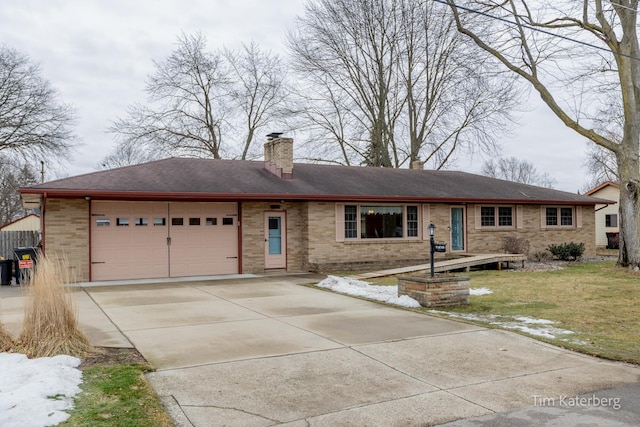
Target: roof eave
[(185, 196)]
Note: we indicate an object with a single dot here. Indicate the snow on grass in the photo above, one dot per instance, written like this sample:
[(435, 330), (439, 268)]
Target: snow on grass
[(538, 327), (36, 392), (350, 286), (480, 291)]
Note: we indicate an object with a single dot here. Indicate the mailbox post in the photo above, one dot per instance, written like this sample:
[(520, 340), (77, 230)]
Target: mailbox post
[(432, 233)]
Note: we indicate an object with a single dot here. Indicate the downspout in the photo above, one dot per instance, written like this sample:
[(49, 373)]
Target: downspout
[(43, 222), (239, 238), (90, 246)]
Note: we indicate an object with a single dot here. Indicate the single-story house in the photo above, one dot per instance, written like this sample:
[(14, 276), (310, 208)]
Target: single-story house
[(607, 230), (192, 217), (29, 222)]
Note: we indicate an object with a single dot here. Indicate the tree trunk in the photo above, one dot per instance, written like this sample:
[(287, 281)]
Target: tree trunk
[(629, 212)]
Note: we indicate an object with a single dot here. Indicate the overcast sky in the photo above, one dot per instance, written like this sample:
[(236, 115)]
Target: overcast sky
[(98, 53)]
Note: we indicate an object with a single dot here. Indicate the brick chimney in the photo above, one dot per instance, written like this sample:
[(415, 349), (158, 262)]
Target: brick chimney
[(417, 164), (278, 155)]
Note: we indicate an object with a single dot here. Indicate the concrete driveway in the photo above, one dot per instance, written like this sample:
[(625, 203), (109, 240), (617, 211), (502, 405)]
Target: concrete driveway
[(260, 351)]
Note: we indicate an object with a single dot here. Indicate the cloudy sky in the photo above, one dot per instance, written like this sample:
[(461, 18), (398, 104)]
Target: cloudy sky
[(98, 53)]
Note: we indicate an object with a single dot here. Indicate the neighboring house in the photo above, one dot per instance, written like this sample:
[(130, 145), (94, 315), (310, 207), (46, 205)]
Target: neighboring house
[(191, 217), (607, 230), (30, 222)]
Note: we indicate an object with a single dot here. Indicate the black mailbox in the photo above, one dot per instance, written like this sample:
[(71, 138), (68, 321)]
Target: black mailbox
[(440, 247)]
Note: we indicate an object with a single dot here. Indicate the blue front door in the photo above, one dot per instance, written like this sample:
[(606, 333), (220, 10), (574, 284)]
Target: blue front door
[(457, 229)]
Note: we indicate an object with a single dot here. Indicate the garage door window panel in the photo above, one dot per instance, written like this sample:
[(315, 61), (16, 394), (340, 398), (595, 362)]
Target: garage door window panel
[(194, 221), (142, 222), (122, 222)]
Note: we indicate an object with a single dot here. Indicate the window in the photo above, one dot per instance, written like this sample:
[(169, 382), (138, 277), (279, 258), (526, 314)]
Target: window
[(380, 221), (194, 221), (141, 222), (122, 222), (177, 221), (211, 221), (161, 222), (412, 221), (555, 217), (488, 216), (227, 221), (566, 216), (504, 216), (350, 222), (103, 222), (611, 220)]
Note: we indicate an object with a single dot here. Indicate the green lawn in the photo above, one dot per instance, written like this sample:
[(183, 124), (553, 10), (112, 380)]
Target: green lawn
[(597, 301), (117, 395)]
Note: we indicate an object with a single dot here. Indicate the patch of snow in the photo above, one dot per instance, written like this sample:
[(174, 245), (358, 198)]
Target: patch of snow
[(350, 286), (529, 325), (480, 291), (36, 392)]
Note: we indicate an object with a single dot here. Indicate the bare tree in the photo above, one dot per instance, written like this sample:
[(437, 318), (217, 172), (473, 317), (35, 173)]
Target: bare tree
[(186, 108), (513, 169), (601, 166), (127, 155), (203, 104), (348, 49), (13, 175), (389, 82), (32, 123), (257, 91), (575, 55)]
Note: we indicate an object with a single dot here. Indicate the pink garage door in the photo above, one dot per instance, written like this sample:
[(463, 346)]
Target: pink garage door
[(132, 240)]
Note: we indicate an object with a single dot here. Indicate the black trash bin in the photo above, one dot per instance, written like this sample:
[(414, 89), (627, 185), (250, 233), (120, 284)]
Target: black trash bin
[(613, 240), (6, 271), (25, 262)]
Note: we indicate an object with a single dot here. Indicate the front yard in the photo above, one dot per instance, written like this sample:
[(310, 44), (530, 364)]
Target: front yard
[(591, 307)]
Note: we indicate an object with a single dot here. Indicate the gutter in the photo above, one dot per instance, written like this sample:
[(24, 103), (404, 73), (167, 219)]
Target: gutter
[(212, 197)]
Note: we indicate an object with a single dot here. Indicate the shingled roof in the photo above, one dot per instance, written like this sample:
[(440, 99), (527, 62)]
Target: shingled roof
[(211, 180)]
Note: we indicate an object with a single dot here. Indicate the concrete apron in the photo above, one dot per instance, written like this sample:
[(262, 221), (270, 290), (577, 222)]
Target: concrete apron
[(259, 352)]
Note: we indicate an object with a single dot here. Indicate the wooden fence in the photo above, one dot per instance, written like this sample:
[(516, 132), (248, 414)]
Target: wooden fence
[(17, 239)]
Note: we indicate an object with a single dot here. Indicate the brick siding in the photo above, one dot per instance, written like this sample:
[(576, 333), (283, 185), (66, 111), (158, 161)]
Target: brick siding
[(66, 229)]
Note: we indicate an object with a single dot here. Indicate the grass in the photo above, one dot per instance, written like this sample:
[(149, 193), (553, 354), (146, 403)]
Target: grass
[(117, 396), (596, 300)]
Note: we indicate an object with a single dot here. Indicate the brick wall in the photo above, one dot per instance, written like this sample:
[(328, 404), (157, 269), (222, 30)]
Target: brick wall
[(253, 247), (488, 241), (66, 229)]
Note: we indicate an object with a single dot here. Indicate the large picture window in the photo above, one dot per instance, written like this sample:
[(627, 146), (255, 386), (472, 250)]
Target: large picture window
[(380, 222)]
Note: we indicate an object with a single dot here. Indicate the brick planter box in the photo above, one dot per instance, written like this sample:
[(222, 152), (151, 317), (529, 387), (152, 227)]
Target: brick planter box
[(438, 291)]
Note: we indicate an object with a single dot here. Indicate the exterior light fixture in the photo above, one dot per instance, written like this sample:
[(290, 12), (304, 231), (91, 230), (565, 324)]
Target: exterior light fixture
[(432, 229)]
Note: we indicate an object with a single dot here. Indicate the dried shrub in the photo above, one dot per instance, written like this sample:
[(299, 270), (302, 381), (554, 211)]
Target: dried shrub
[(515, 245), (50, 323), (542, 256), (5, 339)]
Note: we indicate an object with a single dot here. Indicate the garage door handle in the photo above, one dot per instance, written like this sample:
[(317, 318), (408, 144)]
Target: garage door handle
[(98, 262), (232, 257)]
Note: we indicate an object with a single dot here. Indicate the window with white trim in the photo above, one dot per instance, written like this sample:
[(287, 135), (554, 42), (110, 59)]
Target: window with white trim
[(380, 221), (559, 217), (496, 216)]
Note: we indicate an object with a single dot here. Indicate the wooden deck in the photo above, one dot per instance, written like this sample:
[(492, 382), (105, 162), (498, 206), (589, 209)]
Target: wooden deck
[(447, 265)]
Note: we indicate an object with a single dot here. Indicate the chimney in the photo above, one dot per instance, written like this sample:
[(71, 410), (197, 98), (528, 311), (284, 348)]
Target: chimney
[(278, 155), (417, 164)]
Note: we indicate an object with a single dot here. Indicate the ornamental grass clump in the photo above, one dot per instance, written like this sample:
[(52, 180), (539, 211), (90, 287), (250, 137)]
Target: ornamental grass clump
[(50, 324), (5, 339)]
